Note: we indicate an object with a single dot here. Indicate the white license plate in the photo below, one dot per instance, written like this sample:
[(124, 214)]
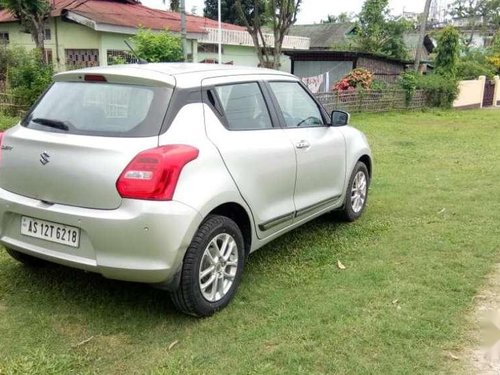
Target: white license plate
[(53, 232)]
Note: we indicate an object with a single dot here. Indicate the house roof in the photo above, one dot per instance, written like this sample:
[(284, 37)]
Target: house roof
[(127, 13), (333, 55), (324, 35), (328, 35)]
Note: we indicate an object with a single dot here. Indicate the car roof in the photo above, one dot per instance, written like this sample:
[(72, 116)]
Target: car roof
[(176, 74)]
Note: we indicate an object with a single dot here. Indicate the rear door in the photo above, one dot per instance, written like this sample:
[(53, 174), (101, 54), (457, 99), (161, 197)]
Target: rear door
[(74, 145), (257, 153), (320, 149)]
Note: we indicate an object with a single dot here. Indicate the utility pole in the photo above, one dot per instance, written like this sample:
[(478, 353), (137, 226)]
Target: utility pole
[(423, 26), (183, 28), (219, 31)]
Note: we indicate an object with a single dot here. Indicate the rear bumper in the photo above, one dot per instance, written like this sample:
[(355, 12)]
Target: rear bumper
[(141, 241)]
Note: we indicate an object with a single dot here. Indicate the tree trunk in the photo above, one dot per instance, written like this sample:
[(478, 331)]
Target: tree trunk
[(420, 43), (38, 34)]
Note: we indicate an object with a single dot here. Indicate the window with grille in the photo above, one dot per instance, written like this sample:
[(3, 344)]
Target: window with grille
[(81, 58)]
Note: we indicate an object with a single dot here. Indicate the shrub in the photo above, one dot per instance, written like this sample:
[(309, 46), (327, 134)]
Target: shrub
[(447, 51), (408, 82), (379, 85), (157, 46), (440, 90), (29, 77), (471, 69)]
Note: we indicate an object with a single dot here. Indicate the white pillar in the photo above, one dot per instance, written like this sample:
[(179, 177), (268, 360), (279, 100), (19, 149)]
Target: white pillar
[(482, 79), (496, 95)]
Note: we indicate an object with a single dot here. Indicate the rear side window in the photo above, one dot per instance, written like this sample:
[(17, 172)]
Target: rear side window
[(244, 106), (101, 109)]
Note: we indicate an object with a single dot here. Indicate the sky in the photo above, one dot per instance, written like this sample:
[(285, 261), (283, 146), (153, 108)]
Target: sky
[(313, 11)]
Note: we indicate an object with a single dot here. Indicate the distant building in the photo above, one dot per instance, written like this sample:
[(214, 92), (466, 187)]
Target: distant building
[(476, 32), (332, 51)]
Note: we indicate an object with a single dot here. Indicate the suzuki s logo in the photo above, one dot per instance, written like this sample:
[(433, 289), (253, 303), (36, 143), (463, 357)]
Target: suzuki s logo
[(44, 158)]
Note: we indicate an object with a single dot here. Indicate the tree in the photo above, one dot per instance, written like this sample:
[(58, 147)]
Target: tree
[(478, 15), (157, 46), (174, 5), (343, 17), (379, 33), (229, 12), (32, 14), (447, 52), (281, 15), (493, 52)]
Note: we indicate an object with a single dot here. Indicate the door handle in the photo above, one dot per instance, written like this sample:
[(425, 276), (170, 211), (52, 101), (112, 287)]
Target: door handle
[(303, 144)]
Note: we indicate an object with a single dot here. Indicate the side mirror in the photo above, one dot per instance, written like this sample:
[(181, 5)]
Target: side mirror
[(340, 118)]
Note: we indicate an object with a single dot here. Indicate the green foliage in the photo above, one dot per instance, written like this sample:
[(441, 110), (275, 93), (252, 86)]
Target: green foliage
[(117, 60), (408, 82), (440, 90), (475, 63), (230, 14), (470, 69), (379, 33), (447, 52), (378, 85), (174, 5), (29, 77), (493, 53), (157, 46), (6, 60)]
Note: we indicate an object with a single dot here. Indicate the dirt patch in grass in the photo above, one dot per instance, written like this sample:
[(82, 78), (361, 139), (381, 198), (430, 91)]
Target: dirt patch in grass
[(485, 359)]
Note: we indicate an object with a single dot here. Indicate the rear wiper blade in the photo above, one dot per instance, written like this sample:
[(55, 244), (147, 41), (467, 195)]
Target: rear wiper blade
[(51, 123)]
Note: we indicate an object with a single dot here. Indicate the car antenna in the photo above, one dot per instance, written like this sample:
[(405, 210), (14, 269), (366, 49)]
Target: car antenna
[(139, 60)]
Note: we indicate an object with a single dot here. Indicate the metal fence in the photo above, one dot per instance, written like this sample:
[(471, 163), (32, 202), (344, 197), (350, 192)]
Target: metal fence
[(372, 100), (352, 101)]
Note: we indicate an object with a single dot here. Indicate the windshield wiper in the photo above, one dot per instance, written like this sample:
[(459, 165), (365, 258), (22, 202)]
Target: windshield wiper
[(51, 123)]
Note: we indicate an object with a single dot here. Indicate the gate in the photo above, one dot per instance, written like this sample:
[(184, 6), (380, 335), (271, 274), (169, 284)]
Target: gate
[(489, 92)]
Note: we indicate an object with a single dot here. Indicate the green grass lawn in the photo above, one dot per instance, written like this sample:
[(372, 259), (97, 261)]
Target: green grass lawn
[(414, 262)]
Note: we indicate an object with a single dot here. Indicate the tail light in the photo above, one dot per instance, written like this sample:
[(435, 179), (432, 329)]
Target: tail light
[(153, 174)]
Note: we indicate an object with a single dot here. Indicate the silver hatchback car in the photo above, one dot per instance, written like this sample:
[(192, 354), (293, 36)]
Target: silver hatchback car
[(171, 174)]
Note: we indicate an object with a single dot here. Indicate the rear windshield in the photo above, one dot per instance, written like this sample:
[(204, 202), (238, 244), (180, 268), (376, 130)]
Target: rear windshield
[(100, 109)]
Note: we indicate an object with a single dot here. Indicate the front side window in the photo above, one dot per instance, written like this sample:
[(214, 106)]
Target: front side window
[(100, 109), (298, 108), (244, 106)]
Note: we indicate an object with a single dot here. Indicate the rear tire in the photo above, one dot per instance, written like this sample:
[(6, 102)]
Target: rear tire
[(356, 193), (212, 268), (26, 259)]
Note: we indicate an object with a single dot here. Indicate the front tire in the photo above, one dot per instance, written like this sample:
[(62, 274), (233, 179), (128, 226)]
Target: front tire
[(212, 268), (356, 193)]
